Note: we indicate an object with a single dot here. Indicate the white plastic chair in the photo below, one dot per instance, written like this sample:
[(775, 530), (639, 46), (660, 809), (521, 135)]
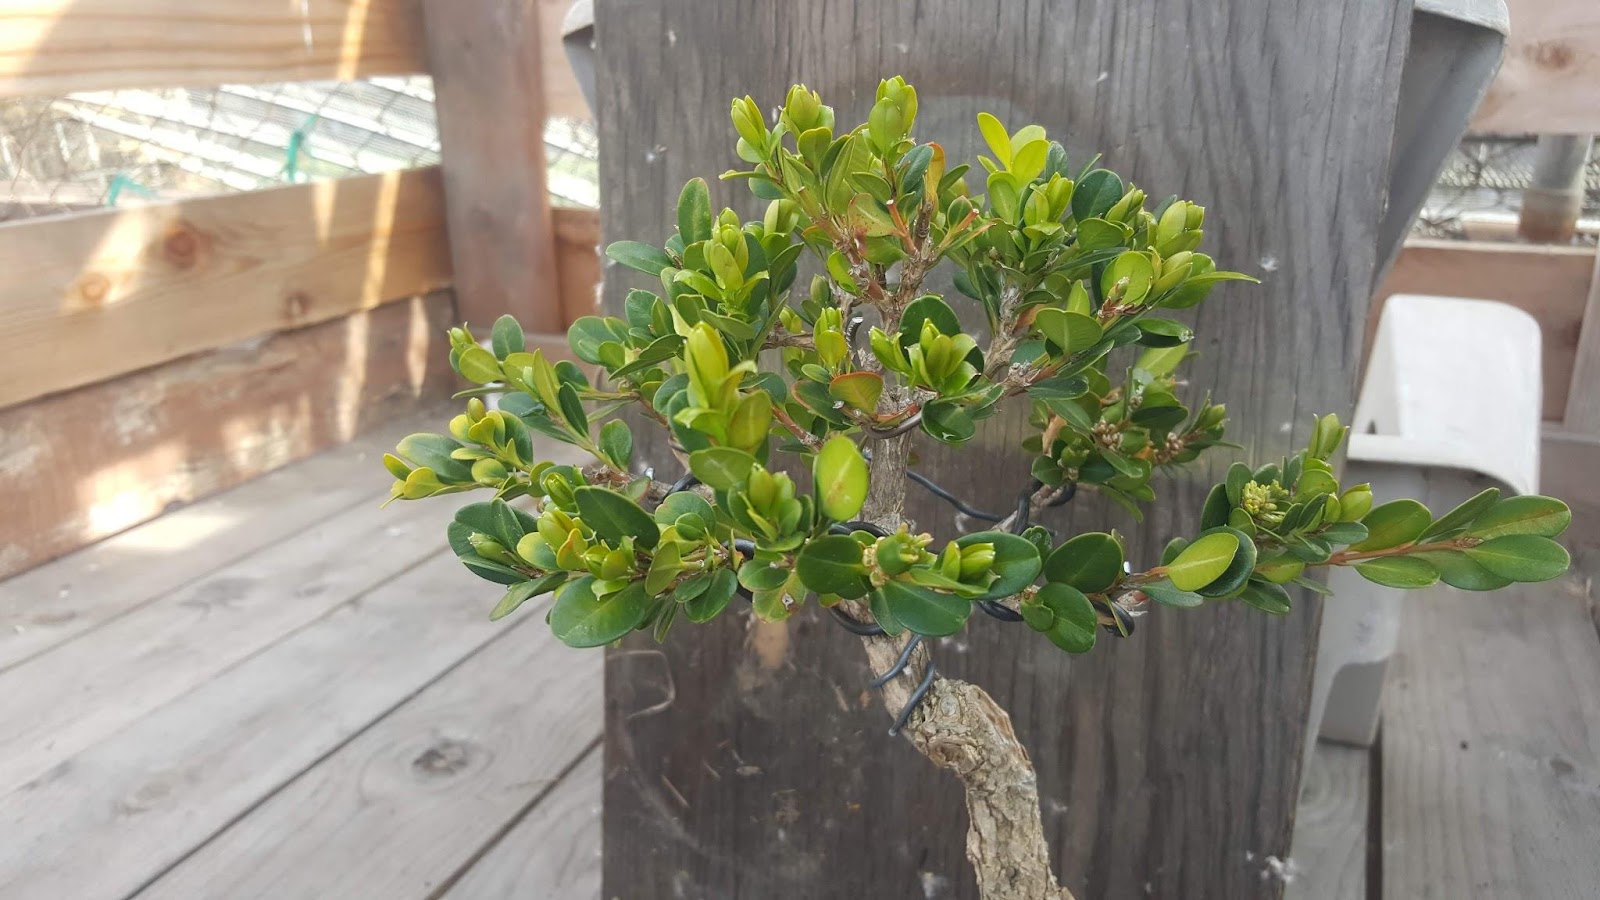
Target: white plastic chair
[(1450, 405)]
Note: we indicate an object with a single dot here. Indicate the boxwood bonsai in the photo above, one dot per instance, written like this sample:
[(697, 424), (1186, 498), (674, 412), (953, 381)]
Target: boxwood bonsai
[(1072, 273)]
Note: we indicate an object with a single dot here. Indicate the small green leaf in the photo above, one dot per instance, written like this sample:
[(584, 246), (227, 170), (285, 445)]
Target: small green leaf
[(1394, 523), (857, 389), (1521, 557), (994, 134), (580, 619), (948, 423), (520, 593), (1073, 620), (710, 602), (588, 334), (1090, 562), (642, 257), (1459, 571), (832, 564), (928, 307), (840, 473), (762, 575), (721, 468), (682, 503), (1238, 572), (1404, 572), (613, 516), (924, 611), (616, 442), (1070, 331), (694, 211), (479, 366), (1164, 333), (1203, 561), (1267, 597), (1016, 561), (1169, 594), (1463, 515), (506, 337), (1529, 514), (1096, 194)]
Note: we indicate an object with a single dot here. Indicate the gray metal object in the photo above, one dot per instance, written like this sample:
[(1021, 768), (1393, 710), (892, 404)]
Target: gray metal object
[(577, 36), (1455, 50)]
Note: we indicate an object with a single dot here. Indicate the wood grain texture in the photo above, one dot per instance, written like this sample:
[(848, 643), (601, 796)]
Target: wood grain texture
[(1546, 80), (71, 698), (1583, 396), (578, 259), (139, 801), (1490, 734), (1169, 762), (66, 597), (1329, 856), (1548, 283), (61, 46), (400, 811), (91, 296), (79, 466), (485, 60), (553, 853)]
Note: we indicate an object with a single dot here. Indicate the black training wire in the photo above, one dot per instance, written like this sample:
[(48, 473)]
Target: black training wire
[(993, 608)]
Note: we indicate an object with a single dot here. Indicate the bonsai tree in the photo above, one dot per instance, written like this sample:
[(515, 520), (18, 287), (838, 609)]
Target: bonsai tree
[(791, 484)]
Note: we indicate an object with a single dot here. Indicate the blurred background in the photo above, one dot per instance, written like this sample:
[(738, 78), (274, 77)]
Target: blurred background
[(229, 246)]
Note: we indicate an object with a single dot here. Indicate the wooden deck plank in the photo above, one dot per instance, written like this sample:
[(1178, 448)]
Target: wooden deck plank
[(1329, 857), (139, 801), (553, 853), (400, 810), (64, 701), (60, 600), (1491, 746)]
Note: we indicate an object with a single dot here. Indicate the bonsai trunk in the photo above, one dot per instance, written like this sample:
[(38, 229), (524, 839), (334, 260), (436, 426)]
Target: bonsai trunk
[(960, 727)]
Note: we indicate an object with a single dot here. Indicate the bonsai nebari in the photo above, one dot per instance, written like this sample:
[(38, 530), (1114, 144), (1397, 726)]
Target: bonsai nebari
[(1074, 278)]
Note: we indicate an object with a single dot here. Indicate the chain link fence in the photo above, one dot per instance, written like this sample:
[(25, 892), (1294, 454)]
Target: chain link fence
[(1483, 183), (117, 148)]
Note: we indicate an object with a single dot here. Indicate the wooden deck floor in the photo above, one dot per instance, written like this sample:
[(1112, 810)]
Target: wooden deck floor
[(288, 692), (1485, 780)]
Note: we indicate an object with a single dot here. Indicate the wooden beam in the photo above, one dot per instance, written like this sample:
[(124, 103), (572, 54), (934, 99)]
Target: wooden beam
[(1169, 762), (563, 98), (1548, 283), (79, 466), (91, 296), (62, 46), (1583, 396), (1546, 81), (485, 59)]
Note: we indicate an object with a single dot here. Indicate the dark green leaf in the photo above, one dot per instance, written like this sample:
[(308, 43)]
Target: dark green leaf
[(1463, 515), (947, 422), (1404, 572), (572, 408), (1459, 571), (1096, 194), (1530, 514), (927, 308), (832, 564), (1073, 621), (616, 442), (580, 619), (506, 337), (642, 257), (707, 604), (1090, 562), (1267, 597), (1168, 594), (1016, 561), (1394, 523), (521, 592), (1163, 333), (1521, 557), (613, 516), (694, 211), (924, 611)]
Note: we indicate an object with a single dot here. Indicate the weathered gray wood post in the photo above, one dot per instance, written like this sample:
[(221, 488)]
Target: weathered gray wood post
[(749, 761)]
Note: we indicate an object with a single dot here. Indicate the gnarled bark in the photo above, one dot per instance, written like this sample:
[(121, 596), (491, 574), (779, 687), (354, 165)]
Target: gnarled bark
[(961, 728)]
